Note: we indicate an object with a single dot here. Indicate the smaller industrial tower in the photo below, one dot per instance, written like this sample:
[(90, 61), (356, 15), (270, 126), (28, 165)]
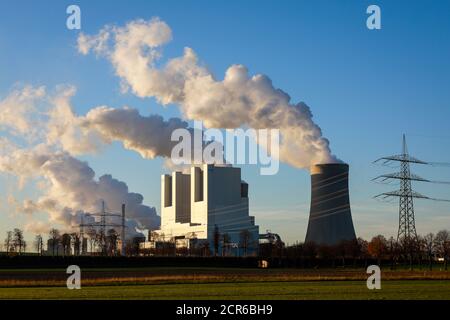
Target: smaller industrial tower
[(406, 219)]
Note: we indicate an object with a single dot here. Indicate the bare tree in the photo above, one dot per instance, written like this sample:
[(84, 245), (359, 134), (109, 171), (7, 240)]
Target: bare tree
[(409, 247), (76, 240), (98, 241), (225, 243), (205, 248), (8, 241), (193, 244), (18, 241), (245, 239), (216, 240), (92, 233), (136, 242), (39, 244), (310, 250), (342, 251), (111, 242), (392, 250), (363, 249), (377, 247), (54, 237), (443, 245), (353, 250), (328, 253), (429, 248), (66, 242)]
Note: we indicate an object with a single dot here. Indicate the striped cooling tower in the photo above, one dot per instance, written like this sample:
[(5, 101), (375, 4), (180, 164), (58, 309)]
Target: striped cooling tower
[(330, 218)]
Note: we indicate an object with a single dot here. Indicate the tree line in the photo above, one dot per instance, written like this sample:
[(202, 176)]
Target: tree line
[(423, 250), (92, 241), (15, 242)]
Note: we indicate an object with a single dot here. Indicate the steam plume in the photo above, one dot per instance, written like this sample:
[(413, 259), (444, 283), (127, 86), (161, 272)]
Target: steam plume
[(68, 185), (238, 100)]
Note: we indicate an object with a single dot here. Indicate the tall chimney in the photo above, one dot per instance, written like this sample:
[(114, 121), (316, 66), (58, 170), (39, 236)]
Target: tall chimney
[(330, 218)]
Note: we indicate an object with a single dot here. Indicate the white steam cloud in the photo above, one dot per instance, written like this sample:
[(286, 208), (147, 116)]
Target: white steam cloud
[(238, 100), (16, 108), (72, 189), (150, 136), (69, 187)]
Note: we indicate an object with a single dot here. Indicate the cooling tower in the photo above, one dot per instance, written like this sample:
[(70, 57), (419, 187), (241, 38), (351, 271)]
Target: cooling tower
[(330, 218)]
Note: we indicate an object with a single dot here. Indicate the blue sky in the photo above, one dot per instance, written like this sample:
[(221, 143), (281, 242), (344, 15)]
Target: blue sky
[(365, 88)]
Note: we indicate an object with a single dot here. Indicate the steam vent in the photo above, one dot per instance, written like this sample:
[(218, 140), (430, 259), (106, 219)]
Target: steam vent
[(330, 218)]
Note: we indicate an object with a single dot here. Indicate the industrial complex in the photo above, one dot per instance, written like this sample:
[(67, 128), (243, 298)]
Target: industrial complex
[(211, 201), (207, 208), (202, 206), (206, 211)]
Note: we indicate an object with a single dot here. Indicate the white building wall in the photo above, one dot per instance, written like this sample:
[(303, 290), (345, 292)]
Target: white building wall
[(167, 207), (215, 200)]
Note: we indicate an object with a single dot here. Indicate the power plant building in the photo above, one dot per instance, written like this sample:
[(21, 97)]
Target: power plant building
[(211, 200)]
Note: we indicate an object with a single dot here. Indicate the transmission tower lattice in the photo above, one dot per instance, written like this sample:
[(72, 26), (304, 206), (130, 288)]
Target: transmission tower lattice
[(406, 219), (103, 224)]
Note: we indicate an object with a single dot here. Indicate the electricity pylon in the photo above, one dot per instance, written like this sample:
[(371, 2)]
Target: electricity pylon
[(406, 219), (102, 224)]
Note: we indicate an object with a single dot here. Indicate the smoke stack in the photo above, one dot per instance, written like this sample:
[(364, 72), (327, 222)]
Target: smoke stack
[(330, 218)]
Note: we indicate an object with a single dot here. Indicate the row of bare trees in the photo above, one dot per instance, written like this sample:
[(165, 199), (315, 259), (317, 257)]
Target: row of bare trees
[(424, 250), (15, 242), (63, 243), (72, 244), (60, 244)]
